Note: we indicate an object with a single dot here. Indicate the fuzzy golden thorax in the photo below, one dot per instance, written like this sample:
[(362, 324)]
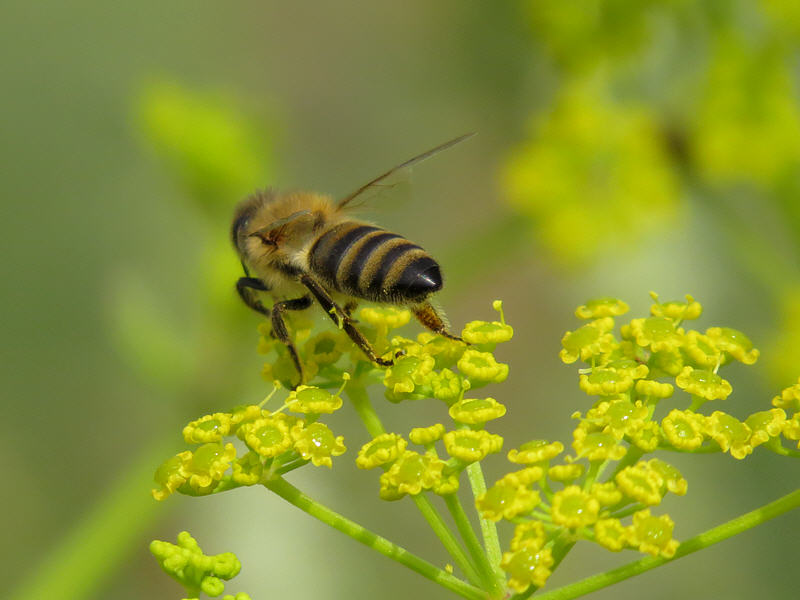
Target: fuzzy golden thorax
[(274, 232)]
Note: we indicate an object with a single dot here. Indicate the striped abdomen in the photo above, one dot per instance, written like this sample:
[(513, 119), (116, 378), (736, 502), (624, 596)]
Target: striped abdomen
[(371, 263)]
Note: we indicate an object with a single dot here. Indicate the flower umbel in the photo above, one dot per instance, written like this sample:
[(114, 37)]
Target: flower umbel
[(648, 380)]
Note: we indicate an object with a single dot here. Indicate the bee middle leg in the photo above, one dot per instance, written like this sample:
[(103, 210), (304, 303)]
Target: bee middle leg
[(282, 333), (342, 319)]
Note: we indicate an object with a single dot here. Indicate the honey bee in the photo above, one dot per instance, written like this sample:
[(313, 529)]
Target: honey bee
[(304, 247)]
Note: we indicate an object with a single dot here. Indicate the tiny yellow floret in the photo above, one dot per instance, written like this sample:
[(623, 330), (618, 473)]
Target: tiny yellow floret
[(384, 449), (471, 446), (209, 428), (535, 451), (573, 508), (471, 411), (601, 307), (423, 436), (703, 383), (317, 443)]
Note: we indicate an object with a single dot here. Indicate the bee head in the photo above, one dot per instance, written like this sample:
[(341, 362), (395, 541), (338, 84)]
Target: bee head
[(243, 216)]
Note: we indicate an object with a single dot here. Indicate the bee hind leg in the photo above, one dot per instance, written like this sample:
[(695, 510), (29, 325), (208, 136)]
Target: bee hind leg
[(427, 315), (282, 333)]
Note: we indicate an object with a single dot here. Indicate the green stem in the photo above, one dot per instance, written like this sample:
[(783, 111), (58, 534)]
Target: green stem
[(291, 494), (633, 454), (473, 544), (595, 470), (488, 529), (357, 394), (704, 540), (446, 536)]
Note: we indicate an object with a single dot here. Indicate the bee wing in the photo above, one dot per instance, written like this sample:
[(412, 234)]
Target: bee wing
[(382, 181)]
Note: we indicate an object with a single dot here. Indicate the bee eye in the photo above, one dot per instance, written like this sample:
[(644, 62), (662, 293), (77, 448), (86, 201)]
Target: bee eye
[(239, 225)]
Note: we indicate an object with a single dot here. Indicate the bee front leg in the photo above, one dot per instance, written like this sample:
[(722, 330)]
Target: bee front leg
[(341, 318), (282, 333), (245, 286)]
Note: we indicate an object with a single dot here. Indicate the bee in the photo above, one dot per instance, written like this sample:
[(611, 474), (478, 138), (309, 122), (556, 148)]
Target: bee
[(304, 247)]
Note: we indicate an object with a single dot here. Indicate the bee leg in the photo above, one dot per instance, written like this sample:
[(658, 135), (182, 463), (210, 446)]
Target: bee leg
[(428, 317), (342, 319), (349, 309), (282, 333), (245, 286)]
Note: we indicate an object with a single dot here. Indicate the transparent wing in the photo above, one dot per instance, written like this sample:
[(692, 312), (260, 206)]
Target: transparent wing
[(397, 176)]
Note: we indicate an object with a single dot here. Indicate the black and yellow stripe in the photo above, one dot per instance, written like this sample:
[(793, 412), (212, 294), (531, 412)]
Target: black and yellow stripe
[(371, 263)]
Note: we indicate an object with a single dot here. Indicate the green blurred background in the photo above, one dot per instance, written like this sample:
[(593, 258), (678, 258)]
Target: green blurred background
[(623, 147)]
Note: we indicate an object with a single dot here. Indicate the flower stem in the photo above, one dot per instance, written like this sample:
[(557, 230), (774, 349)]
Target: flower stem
[(446, 536), (488, 529), (357, 394), (703, 540), (294, 496), (473, 544)]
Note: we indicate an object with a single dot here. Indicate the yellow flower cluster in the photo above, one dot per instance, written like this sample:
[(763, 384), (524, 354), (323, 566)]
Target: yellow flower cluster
[(274, 441), (629, 375)]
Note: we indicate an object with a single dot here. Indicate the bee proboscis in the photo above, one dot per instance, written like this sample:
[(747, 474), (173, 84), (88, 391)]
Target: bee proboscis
[(304, 247)]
